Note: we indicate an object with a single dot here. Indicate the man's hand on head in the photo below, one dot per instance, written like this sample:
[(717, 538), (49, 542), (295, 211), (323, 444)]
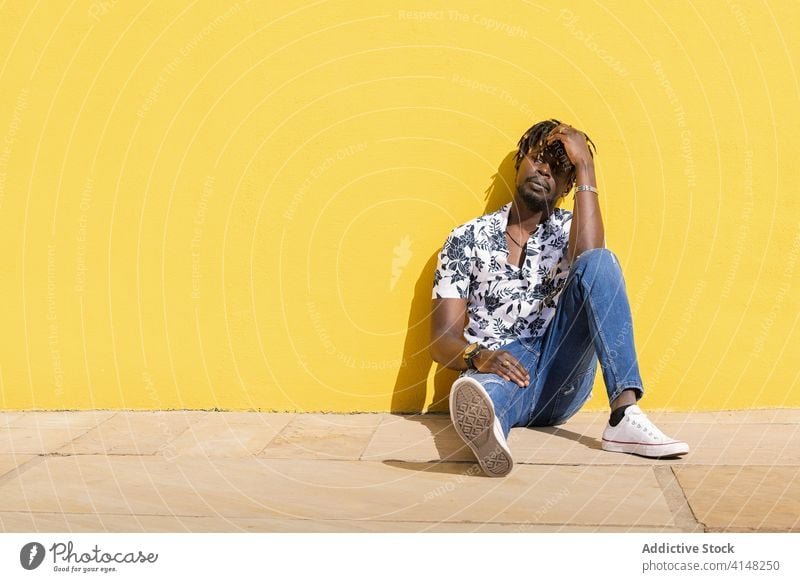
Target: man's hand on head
[(503, 364), (575, 143)]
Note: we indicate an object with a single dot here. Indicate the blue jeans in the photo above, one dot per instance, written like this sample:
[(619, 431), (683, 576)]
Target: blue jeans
[(592, 321)]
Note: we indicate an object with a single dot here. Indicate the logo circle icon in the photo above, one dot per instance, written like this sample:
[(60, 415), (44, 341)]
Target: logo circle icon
[(31, 555)]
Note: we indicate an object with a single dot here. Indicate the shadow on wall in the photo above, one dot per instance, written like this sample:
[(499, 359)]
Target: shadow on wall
[(410, 389)]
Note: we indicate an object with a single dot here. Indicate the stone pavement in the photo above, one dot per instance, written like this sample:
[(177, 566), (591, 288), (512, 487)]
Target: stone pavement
[(197, 471)]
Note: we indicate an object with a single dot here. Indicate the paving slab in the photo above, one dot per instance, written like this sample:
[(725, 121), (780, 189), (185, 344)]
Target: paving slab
[(568, 445), (241, 418), (227, 435), (133, 433), (709, 444), (247, 471), (432, 437), (324, 436), (6, 418), (426, 437), (68, 419), (36, 441), (350, 490), (741, 498), (740, 444)]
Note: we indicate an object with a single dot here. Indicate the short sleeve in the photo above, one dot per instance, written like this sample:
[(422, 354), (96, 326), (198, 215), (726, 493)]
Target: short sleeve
[(452, 276)]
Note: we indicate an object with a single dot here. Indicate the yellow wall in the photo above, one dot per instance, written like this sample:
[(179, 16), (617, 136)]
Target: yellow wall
[(238, 206)]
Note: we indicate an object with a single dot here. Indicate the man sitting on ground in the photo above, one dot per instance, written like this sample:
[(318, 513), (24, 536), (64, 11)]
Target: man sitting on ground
[(543, 300)]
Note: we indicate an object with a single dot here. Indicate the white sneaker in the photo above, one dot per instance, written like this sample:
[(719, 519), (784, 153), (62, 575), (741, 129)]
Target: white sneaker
[(636, 434), (475, 421)]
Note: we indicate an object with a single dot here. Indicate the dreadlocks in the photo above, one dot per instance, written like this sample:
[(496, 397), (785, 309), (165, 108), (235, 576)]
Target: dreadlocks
[(533, 139)]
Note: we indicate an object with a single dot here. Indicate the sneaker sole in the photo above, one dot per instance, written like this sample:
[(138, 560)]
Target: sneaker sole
[(652, 451), (472, 413)]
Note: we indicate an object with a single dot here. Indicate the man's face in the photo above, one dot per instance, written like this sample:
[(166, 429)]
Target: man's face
[(543, 176)]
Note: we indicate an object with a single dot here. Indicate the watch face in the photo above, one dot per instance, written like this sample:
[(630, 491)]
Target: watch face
[(471, 349)]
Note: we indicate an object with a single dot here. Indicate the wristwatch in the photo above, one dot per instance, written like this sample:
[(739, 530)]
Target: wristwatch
[(470, 352)]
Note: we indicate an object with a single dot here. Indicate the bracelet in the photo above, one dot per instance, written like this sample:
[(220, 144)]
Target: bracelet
[(586, 187)]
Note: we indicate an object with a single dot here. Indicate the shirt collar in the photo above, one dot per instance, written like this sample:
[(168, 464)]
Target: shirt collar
[(502, 220)]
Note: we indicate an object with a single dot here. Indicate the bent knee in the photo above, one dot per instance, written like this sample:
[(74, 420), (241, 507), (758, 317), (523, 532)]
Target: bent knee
[(597, 261), (597, 254)]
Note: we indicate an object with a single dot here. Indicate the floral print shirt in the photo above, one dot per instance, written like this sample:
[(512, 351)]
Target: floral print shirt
[(505, 302)]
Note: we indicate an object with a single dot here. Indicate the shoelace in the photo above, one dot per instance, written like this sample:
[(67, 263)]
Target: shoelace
[(653, 431)]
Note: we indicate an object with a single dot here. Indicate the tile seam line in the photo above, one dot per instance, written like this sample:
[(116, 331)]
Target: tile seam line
[(372, 436), (277, 434), (20, 469), (674, 477), (344, 519)]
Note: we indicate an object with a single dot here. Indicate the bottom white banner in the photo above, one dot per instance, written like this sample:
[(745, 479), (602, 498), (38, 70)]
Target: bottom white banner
[(389, 556)]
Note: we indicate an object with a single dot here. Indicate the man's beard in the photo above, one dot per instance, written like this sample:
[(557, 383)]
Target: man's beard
[(533, 202)]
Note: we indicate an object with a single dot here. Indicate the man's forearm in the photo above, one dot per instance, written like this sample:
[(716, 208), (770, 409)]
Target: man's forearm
[(448, 350), (586, 231)]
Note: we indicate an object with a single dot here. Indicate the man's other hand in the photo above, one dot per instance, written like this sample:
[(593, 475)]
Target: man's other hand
[(503, 364)]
